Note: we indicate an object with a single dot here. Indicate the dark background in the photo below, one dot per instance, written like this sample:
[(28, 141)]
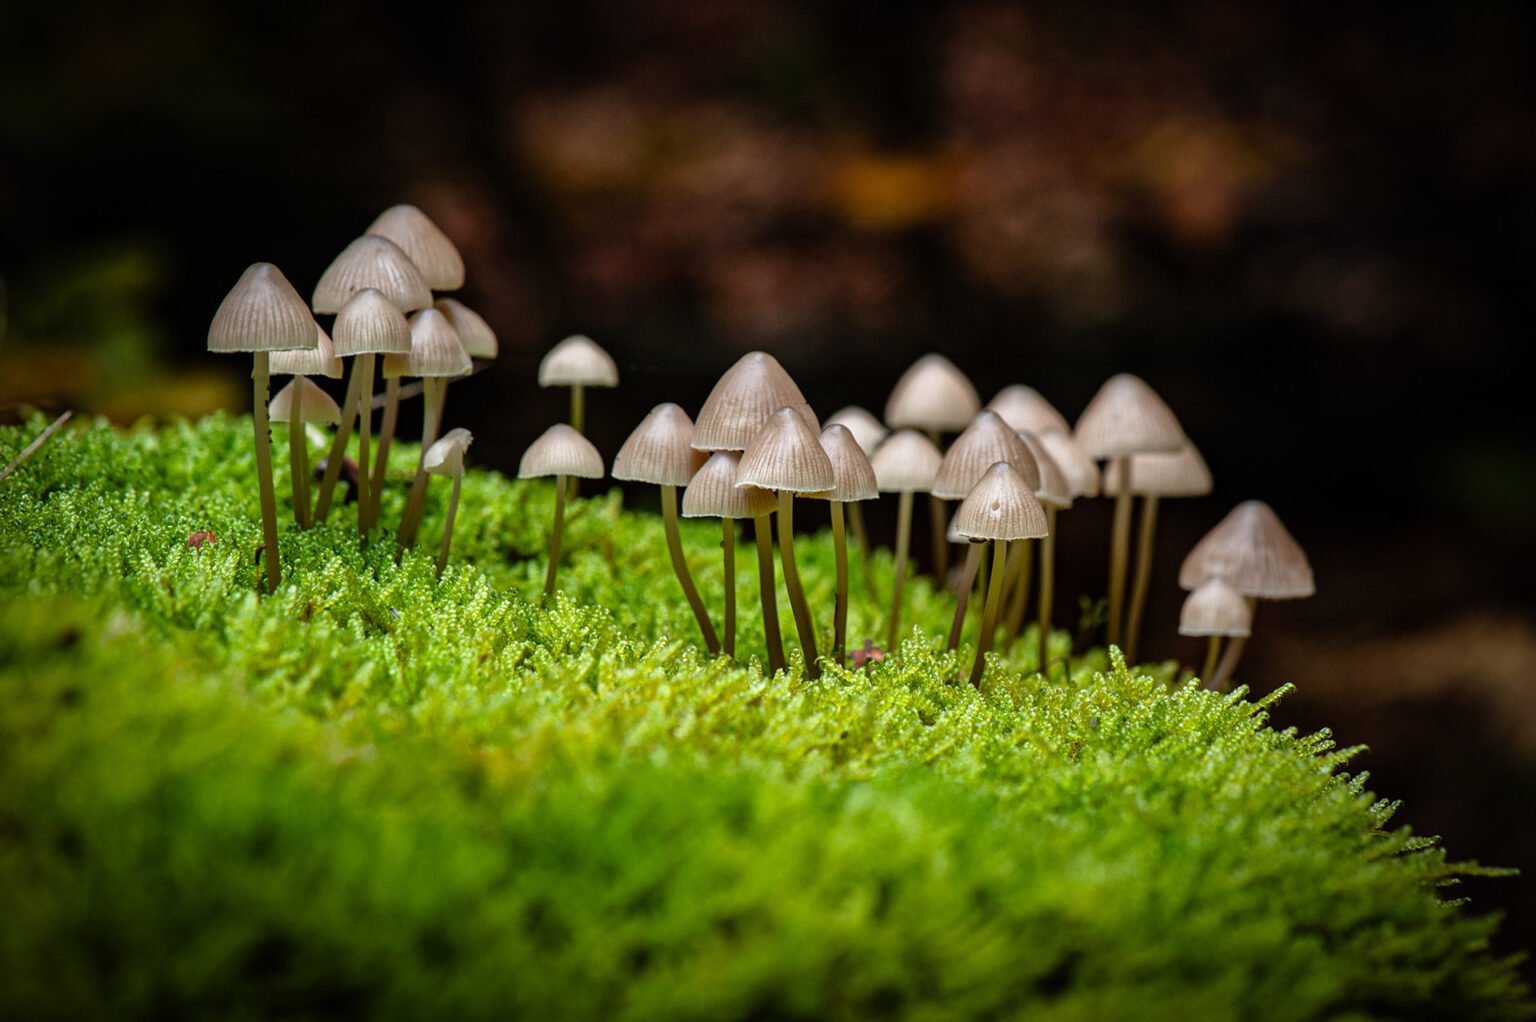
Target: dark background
[(1310, 227)]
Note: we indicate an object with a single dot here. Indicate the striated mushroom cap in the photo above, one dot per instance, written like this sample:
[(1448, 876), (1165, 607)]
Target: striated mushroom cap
[(561, 451), (476, 334), (1180, 474), (786, 455), (854, 476), (933, 395), (1054, 490), (425, 243), (372, 261), (713, 493), (1215, 609), (659, 450), (446, 457), (906, 462), (262, 312), (577, 361), (1254, 553), (320, 360), (867, 430), (985, 442), (1081, 471), (1001, 506), (1026, 411), (1127, 417), (370, 323), (315, 405), (435, 349), (743, 399)]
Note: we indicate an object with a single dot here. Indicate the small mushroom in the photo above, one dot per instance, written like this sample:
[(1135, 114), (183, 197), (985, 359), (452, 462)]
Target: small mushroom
[(318, 361), (476, 334), (867, 431), (1026, 410), (744, 398), (372, 261), (905, 463), (713, 493), (1055, 494), (446, 458), (1001, 508), (853, 481), (933, 396), (578, 363), (1081, 471), (563, 453), (1216, 610), (437, 355), (425, 243)]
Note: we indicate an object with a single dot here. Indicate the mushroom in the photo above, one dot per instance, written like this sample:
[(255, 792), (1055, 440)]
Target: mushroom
[(1081, 471), (867, 431), (936, 397), (658, 452), (425, 243), (905, 463), (476, 334), (577, 362), (1000, 508), (1252, 551), (1216, 610), (318, 361), (1154, 476), (446, 458), (563, 453), (1055, 493), (261, 314), (1026, 411), (713, 493), (436, 356), (786, 456), (1124, 418), (853, 481)]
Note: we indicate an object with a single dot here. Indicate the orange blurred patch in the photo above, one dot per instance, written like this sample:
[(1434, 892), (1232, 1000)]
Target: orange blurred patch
[(886, 193), (1199, 173)]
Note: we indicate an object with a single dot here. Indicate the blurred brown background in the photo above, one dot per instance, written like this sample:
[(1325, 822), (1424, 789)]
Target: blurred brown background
[(1310, 226)]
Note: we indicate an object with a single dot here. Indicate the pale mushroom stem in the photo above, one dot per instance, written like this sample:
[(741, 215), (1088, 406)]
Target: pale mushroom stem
[(728, 553), (416, 503), (579, 424), (261, 379), (989, 612), (963, 599), (680, 567), (365, 366), (453, 511), (801, 609), (1212, 651), (338, 452), (840, 605), (768, 592), (939, 522), (903, 542), (298, 460), (1119, 551), (381, 455), (554, 538), (861, 537), (1221, 679), (1142, 583), (1021, 572), (1047, 584)]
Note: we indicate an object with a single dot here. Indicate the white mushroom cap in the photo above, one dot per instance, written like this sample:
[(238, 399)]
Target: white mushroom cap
[(1127, 417), (435, 349), (713, 493), (1215, 609), (478, 337), (577, 361), (315, 405), (867, 430), (1026, 410), (1180, 474), (262, 312), (986, 441), (425, 243), (369, 323), (446, 457), (743, 399), (1254, 553), (320, 360), (372, 261), (1001, 507), (1054, 488), (786, 455), (561, 451), (855, 477), (1081, 471), (658, 450), (933, 395), (906, 463)]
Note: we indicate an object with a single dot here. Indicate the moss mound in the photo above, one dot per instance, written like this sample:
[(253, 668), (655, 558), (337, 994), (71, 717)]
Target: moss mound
[(371, 794)]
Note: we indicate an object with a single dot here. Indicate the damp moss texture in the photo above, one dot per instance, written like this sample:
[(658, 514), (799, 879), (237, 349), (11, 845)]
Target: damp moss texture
[(371, 794)]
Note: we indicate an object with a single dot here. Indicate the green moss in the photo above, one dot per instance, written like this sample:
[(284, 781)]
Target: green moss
[(370, 794)]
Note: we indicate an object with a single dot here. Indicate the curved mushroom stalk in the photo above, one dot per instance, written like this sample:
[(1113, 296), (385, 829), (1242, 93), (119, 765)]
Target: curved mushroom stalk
[(768, 594), (260, 390)]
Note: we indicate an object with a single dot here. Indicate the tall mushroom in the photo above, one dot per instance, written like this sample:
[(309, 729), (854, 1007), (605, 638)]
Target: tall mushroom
[(785, 455), (425, 243), (446, 458), (933, 396), (476, 334), (563, 453), (713, 493), (318, 361), (1215, 610), (261, 314), (906, 463), (578, 363), (853, 481), (1026, 410), (658, 452), (1055, 493), (437, 356), (1000, 508), (867, 432)]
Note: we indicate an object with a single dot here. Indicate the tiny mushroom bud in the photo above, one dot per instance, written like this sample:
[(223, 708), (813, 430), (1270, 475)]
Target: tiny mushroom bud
[(425, 243), (561, 452), (446, 458)]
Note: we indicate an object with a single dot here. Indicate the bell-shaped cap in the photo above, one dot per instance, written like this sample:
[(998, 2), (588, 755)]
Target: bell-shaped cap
[(262, 312), (659, 450), (1026, 411), (1082, 472), (372, 261), (370, 324), (446, 456), (315, 405), (561, 451), (1216, 609), (952, 534), (435, 349), (906, 462), (1053, 490), (713, 493), (934, 396), (577, 361), (743, 399), (1001, 506), (1252, 550), (985, 442), (476, 334), (867, 430), (1127, 417), (786, 455), (320, 360), (425, 243), (853, 476), (1180, 474)]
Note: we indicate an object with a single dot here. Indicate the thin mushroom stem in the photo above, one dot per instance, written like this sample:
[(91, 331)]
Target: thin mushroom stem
[(963, 599), (840, 606), (802, 611), (364, 366), (768, 592), (579, 424), (1021, 569), (416, 503), (1142, 582), (939, 522), (1119, 551), (261, 380), (381, 455), (989, 613), (1047, 584), (680, 566), (728, 554), (1212, 651), (338, 452), (298, 459), (903, 542), (554, 537), (861, 537), (1222, 678), (453, 511)]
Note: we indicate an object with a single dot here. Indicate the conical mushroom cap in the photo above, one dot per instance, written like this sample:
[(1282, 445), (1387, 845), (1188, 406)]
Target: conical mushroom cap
[(372, 261), (786, 455), (854, 476), (478, 337), (1180, 474), (658, 450), (1127, 417), (906, 462), (743, 399), (1082, 472), (1001, 506), (713, 493), (953, 534), (425, 243), (262, 312), (1054, 489), (867, 430), (577, 361), (1215, 609), (985, 442), (435, 349), (1026, 411), (446, 457), (933, 395), (315, 405), (370, 323), (561, 451), (1254, 553), (320, 360)]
